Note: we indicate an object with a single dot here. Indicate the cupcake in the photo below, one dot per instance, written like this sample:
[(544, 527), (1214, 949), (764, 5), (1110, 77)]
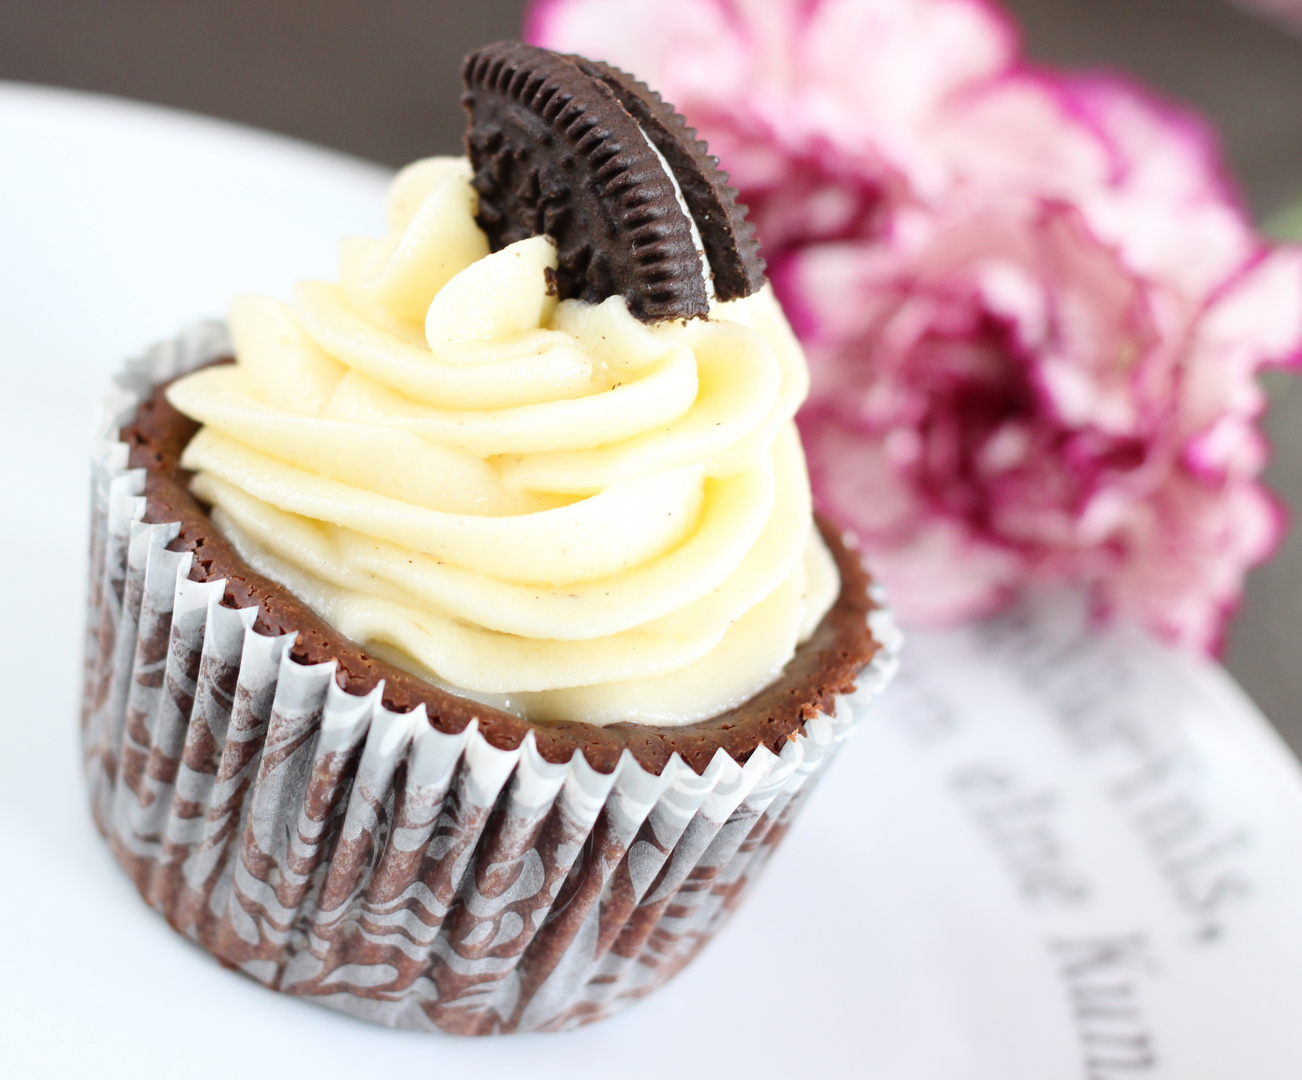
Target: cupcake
[(461, 638)]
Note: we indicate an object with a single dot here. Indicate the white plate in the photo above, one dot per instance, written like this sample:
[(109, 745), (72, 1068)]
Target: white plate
[(1053, 854)]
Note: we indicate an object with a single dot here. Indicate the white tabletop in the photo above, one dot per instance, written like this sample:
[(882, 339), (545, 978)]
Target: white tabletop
[(1052, 853)]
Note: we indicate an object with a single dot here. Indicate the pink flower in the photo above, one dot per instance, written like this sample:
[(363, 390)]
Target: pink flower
[(1034, 307), (1000, 401)]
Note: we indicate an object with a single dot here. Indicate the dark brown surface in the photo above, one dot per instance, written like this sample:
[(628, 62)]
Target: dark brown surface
[(824, 666), (555, 153)]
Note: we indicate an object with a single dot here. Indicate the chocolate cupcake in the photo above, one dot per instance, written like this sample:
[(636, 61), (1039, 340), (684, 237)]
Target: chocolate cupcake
[(461, 637)]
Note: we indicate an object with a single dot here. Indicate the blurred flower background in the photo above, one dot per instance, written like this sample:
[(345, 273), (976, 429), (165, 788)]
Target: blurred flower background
[(1036, 305)]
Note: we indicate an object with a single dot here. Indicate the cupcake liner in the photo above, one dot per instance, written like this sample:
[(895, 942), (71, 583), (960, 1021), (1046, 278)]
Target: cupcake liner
[(333, 849)]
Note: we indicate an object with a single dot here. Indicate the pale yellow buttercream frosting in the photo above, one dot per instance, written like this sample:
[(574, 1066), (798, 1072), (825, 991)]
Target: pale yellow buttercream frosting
[(550, 507)]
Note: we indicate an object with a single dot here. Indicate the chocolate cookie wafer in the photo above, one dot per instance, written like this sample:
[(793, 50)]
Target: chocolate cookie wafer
[(581, 152), (728, 238)]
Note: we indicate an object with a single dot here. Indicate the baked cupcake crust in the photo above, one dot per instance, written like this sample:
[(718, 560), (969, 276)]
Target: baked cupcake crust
[(823, 667)]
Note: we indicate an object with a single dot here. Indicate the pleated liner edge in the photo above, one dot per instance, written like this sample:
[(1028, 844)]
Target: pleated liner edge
[(332, 849)]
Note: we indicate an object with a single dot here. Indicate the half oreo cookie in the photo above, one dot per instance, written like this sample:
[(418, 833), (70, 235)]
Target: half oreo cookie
[(581, 152)]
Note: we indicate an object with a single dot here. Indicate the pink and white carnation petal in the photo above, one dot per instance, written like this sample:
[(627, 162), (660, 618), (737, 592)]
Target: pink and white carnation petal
[(1254, 323), (883, 69), (817, 194), (943, 576), (1065, 297), (1232, 447), (1103, 334), (857, 478), (1186, 558), (937, 571), (901, 341), (1155, 145), (1145, 174), (1170, 204), (841, 291), (1015, 133), (1260, 313)]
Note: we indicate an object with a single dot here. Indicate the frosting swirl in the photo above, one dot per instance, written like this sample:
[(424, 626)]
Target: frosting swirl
[(551, 507)]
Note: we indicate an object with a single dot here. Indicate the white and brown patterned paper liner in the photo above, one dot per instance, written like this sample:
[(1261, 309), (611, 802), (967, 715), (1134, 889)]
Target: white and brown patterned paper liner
[(336, 850)]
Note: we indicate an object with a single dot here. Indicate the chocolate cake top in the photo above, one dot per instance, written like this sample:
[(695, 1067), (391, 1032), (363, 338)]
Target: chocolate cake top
[(577, 150)]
